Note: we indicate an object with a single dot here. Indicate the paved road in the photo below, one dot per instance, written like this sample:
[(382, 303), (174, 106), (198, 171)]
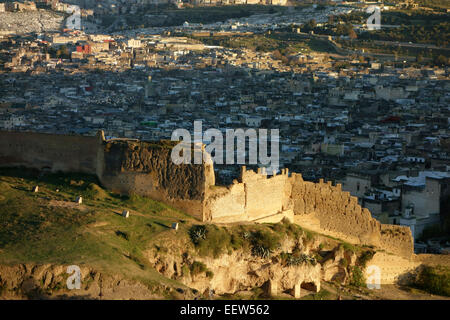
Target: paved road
[(407, 44)]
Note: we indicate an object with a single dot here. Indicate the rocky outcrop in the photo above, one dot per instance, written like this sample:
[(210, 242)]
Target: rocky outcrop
[(30, 281), (242, 272), (239, 270)]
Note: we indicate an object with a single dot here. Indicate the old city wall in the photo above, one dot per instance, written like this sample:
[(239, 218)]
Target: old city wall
[(49, 151), (146, 169), (340, 215), (123, 166), (395, 269), (255, 196), (392, 268), (321, 207)]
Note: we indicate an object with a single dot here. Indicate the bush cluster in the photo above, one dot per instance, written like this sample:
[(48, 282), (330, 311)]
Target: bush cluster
[(435, 280)]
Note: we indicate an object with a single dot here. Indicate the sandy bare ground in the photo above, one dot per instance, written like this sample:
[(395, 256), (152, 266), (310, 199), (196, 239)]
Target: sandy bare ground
[(67, 204), (386, 292), (395, 292)]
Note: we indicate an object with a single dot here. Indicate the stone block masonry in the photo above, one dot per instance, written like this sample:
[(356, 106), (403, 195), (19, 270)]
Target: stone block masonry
[(325, 207)]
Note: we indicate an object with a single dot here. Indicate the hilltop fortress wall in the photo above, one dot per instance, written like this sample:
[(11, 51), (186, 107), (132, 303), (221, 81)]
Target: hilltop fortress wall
[(49, 151), (145, 168), (123, 166), (320, 207)]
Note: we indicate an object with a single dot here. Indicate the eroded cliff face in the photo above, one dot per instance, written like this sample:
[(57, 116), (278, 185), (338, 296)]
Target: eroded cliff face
[(243, 272), (31, 281), (239, 271), (235, 271)]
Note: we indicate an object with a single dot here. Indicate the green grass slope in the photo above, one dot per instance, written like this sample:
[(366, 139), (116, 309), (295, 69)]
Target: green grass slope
[(49, 227)]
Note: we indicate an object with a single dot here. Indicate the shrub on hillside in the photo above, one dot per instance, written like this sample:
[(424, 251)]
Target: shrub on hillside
[(264, 243), (365, 257), (349, 247), (197, 233), (288, 228), (94, 192), (211, 241), (197, 268), (435, 280), (290, 259), (357, 277), (185, 270), (122, 234)]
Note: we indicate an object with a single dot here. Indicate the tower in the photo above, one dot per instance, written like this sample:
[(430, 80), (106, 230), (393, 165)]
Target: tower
[(149, 89)]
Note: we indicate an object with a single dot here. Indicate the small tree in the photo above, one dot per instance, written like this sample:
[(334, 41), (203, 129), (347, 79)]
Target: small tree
[(311, 24)]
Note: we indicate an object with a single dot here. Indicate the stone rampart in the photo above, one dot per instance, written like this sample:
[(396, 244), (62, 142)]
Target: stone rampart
[(145, 168), (325, 209), (49, 151)]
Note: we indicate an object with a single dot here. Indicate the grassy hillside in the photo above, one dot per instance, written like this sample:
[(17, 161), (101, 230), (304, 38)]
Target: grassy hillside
[(49, 227), (284, 42)]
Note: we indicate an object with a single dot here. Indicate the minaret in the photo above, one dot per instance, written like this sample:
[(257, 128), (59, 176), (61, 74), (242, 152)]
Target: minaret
[(149, 90)]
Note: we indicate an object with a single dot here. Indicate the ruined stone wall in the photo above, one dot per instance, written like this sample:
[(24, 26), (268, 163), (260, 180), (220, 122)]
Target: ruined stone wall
[(321, 207), (397, 239), (263, 196), (67, 153), (254, 197), (392, 268), (123, 166), (146, 169), (339, 215), (226, 204)]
